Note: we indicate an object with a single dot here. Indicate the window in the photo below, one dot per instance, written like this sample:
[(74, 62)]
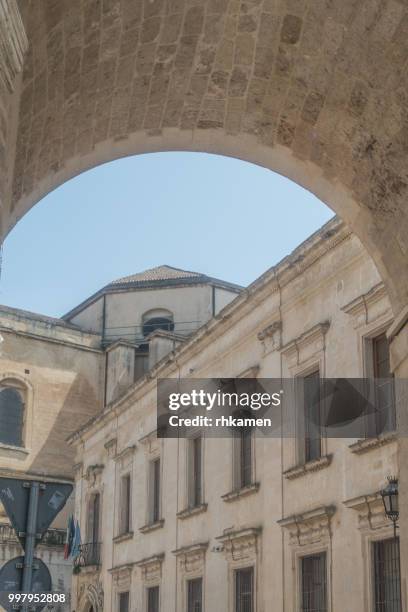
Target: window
[(125, 505), (92, 548), (313, 583), (93, 518), (11, 416), (195, 497), (385, 404), (154, 491), (124, 602), (387, 578), (150, 325), (244, 590), (243, 463), (195, 595), (153, 599), (312, 417)]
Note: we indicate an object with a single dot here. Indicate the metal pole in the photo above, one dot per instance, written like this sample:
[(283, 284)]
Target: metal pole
[(30, 538)]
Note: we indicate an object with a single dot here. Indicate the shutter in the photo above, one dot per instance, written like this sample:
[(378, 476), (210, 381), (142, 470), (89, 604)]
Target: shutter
[(197, 471), (11, 416), (153, 599), (195, 595), (314, 588), (387, 576), (124, 602), (246, 457), (244, 590), (311, 389)]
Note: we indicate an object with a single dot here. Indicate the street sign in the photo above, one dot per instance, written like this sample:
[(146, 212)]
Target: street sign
[(11, 575), (15, 495), (52, 499)]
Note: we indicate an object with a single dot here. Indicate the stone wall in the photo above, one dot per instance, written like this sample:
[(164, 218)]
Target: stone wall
[(313, 89)]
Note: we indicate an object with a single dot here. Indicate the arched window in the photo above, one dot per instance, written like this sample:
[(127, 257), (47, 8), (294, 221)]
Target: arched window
[(157, 319), (11, 415)]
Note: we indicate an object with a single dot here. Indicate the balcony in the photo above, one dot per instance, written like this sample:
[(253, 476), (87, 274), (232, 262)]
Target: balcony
[(52, 537), (89, 554)]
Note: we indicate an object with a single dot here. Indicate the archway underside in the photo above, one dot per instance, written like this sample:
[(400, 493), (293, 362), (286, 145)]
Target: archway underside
[(314, 89)]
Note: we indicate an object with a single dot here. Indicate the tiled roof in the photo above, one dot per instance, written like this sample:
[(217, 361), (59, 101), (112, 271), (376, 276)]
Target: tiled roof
[(161, 273), (161, 276)]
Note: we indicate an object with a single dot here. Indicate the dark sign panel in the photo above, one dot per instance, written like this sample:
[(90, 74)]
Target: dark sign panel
[(10, 584)]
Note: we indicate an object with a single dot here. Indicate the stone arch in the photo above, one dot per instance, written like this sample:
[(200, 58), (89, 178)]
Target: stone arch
[(91, 599), (315, 90)]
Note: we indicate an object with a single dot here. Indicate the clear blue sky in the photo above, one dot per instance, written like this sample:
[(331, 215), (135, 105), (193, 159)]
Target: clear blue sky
[(206, 213)]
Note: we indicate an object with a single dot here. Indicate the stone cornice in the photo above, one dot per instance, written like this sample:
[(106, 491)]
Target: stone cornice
[(126, 452), (306, 468), (370, 509), (310, 527), (13, 43), (308, 337), (191, 548), (111, 446), (148, 560), (241, 545), (151, 567), (368, 444), (308, 516), (361, 303)]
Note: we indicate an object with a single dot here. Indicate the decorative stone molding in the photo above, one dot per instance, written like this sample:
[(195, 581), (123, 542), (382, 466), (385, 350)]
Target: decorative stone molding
[(151, 567), (307, 468), (367, 444), (271, 337), (124, 458), (359, 307), (191, 559), (111, 447), (311, 527), (78, 470), (251, 372), (243, 492), (93, 474), (241, 545), (91, 595), (13, 43), (307, 344), (123, 537), (152, 526), (370, 509), (150, 442), (187, 512), (122, 576)]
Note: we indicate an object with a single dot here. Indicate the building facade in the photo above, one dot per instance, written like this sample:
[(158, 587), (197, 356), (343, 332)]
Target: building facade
[(56, 374), (188, 525)]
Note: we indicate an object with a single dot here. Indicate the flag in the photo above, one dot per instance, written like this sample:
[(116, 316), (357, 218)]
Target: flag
[(69, 537), (76, 541)]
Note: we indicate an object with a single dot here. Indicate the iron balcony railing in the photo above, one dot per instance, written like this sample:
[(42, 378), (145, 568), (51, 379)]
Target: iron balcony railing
[(52, 537), (89, 554)]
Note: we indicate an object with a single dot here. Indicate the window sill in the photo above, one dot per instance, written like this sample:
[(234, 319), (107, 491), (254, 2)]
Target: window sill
[(184, 514), (152, 526), (366, 444), (307, 468), (238, 493), (123, 537), (14, 452)]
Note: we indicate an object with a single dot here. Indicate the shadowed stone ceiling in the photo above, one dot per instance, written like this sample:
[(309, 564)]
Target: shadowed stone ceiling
[(314, 89)]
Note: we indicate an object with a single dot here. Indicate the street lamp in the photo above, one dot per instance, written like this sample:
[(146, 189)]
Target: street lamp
[(390, 500)]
